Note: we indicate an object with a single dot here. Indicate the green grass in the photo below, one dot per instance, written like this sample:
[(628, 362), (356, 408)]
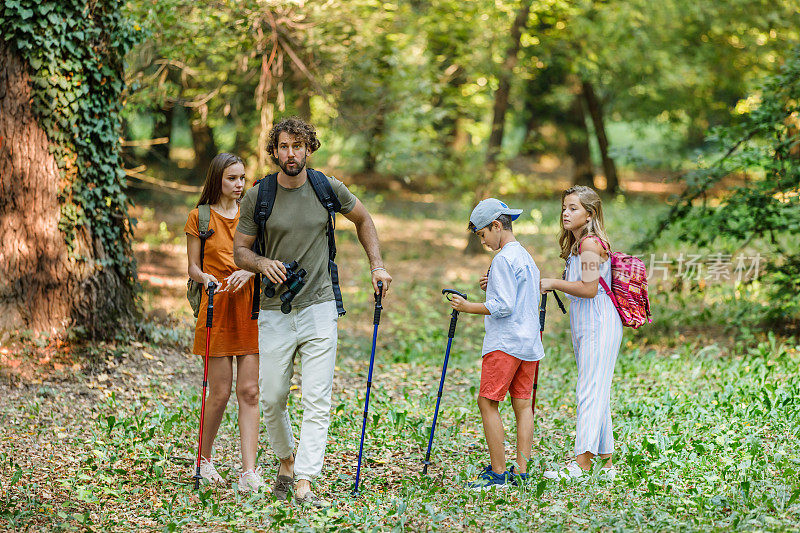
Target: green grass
[(704, 441), (706, 416)]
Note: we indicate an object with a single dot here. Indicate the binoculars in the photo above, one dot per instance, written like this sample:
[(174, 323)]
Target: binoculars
[(295, 280)]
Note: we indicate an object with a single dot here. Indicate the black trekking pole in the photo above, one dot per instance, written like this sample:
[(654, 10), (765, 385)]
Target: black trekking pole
[(377, 320), (450, 335), (209, 320), (542, 315)]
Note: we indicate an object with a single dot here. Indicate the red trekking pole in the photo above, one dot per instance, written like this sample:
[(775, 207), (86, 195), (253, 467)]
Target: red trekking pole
[(209, 320)]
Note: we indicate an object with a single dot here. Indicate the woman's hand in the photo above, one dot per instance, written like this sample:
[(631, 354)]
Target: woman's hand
[(483, 282), (238, 279), (546, 285), (208, 278)]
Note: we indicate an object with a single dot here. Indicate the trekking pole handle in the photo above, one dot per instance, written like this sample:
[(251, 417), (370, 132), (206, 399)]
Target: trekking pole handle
[(378, 303), (559, 302), (542, 312), (210, 310), (448, 292), (454, 315)]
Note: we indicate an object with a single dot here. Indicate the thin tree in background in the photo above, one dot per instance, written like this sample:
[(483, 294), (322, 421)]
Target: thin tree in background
[(595, 108), (499, 114)]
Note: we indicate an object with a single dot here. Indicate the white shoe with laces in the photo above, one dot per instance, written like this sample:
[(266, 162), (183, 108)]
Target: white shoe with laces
[(571, 471), (251, 480), (208, 471)]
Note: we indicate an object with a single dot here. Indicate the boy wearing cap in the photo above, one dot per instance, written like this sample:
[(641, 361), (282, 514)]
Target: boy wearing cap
[(512, 345)]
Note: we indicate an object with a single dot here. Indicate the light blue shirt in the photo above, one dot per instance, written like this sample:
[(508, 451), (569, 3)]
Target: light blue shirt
[(512, 298)]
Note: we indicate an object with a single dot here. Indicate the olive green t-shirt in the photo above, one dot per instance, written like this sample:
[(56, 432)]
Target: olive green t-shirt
[(295, 231)]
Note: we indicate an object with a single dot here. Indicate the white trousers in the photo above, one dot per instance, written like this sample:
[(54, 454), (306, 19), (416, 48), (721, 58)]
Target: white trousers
[(312, 334), (596, 337)]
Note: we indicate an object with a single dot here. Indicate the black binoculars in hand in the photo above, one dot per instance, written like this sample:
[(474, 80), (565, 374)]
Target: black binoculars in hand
[(295, 280)]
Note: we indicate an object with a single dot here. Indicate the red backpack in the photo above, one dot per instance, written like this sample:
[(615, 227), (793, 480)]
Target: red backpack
[(628, 289)]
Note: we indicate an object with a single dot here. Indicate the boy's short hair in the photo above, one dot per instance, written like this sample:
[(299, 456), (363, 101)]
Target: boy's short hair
[(504, 220)]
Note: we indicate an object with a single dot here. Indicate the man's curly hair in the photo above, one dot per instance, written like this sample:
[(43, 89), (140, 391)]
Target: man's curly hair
[(297, 127)]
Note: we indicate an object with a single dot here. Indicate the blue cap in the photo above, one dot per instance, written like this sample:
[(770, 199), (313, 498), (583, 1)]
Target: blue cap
[(488, 210)]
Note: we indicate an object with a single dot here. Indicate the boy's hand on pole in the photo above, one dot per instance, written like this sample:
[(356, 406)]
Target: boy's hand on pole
[(483, 282), (381, 275), (458, 303)]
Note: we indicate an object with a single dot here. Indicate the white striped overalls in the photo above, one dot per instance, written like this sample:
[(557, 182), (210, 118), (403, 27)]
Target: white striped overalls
[(596, 337)]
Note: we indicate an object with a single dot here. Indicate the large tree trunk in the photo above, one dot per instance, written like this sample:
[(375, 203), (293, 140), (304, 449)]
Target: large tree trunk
[(205, 149), (375, 142), (162, 128), (303, 92), (41, 287), (596, 112), (499, 115), (578, 144)]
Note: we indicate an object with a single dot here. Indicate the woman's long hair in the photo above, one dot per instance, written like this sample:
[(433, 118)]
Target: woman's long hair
[(212, 189), (590, 201)]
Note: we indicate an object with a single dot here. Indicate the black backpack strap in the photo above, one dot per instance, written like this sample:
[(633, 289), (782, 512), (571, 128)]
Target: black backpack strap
[(267, 189), (324, 191), (203, 231), (329, 200)]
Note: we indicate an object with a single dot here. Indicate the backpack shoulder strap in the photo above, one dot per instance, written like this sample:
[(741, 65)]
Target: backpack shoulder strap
[(329, 200), (322, 188), (267, 189), (204, 216), (602, 243), (265, 200), (204, 220)]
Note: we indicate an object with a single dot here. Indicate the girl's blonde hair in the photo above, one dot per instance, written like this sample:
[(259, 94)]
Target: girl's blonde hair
[(590, 201)]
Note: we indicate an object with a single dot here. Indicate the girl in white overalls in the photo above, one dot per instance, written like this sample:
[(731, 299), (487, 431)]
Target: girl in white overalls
[(594, 322)]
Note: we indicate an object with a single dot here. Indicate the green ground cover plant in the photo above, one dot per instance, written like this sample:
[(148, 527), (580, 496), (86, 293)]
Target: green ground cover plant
[(706, 413)]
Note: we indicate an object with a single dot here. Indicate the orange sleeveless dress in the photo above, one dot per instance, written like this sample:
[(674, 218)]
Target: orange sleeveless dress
[(233, 332)]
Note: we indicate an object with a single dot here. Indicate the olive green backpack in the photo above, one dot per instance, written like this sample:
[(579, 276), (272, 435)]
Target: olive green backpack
[(194, 290)]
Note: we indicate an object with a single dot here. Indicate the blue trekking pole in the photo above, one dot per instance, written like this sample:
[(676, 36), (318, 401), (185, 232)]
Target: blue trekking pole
[(450, 335), (377, 320)]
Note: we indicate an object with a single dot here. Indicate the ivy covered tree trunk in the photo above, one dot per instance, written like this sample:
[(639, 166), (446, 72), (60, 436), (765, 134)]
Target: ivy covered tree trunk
[(65, 254)]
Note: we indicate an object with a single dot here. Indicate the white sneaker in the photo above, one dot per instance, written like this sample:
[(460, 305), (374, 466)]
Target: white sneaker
[(571, 471), (251, 480), (208, 471), (608, 473)]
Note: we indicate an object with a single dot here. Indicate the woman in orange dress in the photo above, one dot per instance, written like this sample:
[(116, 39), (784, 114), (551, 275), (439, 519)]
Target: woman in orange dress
[(234, 335)]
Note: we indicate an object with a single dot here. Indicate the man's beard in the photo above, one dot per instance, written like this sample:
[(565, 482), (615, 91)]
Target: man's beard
[(298, 168)]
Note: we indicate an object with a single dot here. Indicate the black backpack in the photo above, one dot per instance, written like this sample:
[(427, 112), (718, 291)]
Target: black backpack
[(267, 189)]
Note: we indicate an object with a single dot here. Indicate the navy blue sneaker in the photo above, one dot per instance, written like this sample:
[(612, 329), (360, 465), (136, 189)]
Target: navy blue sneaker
[(488, 479), (519, 479)]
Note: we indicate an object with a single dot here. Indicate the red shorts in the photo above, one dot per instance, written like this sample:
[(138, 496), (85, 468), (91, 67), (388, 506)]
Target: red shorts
[(502, 373)]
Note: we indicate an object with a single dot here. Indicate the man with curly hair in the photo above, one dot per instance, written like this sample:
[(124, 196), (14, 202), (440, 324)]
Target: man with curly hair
[(296, 230)]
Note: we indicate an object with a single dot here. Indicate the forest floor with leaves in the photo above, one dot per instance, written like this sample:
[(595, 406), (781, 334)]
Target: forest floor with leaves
[(705, 405)]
